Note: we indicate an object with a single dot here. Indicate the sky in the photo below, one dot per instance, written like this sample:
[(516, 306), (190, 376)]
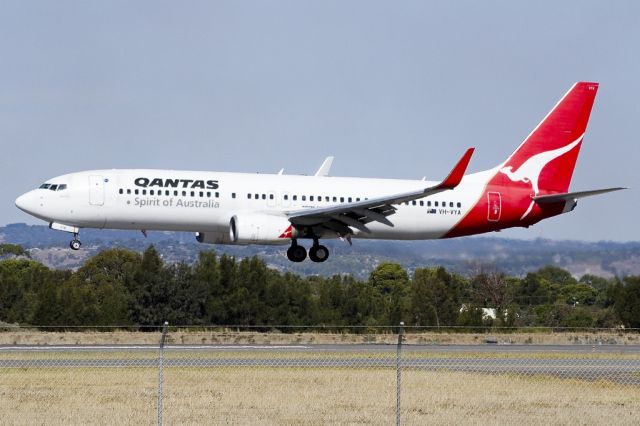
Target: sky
[(391, 89)]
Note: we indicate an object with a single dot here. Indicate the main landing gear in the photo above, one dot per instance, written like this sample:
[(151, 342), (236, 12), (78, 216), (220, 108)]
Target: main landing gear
[(75, 244), (317, 253)]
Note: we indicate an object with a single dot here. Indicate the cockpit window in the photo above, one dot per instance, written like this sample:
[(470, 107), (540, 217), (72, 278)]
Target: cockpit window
[(54, 187)]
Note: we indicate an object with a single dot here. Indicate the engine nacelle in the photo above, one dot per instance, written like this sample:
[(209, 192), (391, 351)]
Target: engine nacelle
[(213, 237), (255, 228)]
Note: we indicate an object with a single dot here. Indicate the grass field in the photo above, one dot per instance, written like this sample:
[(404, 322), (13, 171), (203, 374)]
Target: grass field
[(305, 396)]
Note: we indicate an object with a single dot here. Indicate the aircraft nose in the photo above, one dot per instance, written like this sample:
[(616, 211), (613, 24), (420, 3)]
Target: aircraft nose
[(26, 202)]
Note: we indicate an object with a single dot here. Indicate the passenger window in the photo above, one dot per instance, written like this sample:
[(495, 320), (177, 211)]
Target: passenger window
[(201, 194), (120, 191), (342, 199), (421, 203), (256, 196), (286, 197), (128, 192), (144, 192), (294, 198), (193, 193), (233, 195), (459, 205), (350, 199), (167, 192), (175, 193), (435, 204), (271, 196), (335, 199), (184, 193), (304, 198), (310, 197), (357, 200), (450, 203), (217, 195), (327, 199), (264, 197), (151, 192), (136, 192)]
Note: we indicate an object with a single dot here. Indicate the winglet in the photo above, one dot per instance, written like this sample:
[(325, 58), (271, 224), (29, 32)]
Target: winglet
[(325, 167), (456, 174)]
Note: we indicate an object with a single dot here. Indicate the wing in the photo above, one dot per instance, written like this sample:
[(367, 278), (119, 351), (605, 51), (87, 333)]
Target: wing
[(340, 217)]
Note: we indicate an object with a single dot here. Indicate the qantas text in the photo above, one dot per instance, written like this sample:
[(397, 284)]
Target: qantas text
[(176, 183)]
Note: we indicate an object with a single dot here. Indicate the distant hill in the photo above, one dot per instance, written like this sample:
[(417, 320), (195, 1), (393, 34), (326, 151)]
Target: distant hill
[(463, 255)]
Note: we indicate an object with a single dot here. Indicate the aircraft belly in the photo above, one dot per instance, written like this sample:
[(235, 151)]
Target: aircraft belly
[(167, 218)]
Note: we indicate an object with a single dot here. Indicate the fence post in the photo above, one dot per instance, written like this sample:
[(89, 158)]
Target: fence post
[(161, 371), (399, 372)]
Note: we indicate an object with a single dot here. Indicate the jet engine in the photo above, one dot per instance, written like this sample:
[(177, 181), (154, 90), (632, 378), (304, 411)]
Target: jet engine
[(259, 228), (213, 237)]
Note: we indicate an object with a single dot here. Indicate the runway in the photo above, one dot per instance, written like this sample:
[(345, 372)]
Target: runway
[(619, 363)]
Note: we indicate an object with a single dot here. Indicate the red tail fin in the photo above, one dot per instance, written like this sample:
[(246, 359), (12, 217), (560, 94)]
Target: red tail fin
[(547, 156)]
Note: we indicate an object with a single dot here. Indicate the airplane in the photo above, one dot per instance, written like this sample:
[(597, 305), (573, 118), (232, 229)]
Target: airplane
[(241, 208)]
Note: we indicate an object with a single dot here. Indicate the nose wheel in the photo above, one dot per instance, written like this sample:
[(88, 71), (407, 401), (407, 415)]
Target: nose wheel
[(75, 244)]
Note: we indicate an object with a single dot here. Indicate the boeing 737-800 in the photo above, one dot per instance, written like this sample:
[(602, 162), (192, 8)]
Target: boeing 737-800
[(241, 208)]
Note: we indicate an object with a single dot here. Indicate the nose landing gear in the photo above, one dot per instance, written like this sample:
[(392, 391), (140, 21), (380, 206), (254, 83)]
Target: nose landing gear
[(75, 244)]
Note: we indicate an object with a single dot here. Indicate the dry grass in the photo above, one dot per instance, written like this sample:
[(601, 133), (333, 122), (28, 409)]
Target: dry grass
[(34, 337), (306, 396)]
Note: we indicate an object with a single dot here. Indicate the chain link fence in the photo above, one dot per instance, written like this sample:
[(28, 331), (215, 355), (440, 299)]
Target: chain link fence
[(319, 376)]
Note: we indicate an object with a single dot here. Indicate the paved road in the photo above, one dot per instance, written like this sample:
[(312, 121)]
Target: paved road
[(347, 348), (612, 362)]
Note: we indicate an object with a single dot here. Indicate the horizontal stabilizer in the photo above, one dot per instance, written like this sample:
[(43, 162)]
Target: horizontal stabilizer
[(571, 196)]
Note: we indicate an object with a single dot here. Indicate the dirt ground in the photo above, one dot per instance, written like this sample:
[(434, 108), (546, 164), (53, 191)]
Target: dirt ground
[(35, 337)]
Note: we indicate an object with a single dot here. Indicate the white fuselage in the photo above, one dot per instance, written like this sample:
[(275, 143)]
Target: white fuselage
[(204, 202)]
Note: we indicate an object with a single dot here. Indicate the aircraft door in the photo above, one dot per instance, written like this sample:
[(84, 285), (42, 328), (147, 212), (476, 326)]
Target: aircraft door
[(96, 190), (286, 199), (494, 205), (271, 199)]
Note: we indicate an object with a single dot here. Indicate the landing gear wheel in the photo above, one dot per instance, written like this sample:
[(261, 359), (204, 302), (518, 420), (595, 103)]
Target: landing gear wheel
[(75, 244), (296, 253), (318, 253)]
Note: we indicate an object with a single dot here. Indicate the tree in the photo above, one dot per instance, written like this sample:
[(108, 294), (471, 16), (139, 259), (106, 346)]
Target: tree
[(108, 276), (151, 291), (434, 297), (391, 282), (13, 250), (627, 303)]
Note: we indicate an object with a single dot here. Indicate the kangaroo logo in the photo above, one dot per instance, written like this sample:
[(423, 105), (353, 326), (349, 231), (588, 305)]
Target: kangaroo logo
[(529, 171)]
